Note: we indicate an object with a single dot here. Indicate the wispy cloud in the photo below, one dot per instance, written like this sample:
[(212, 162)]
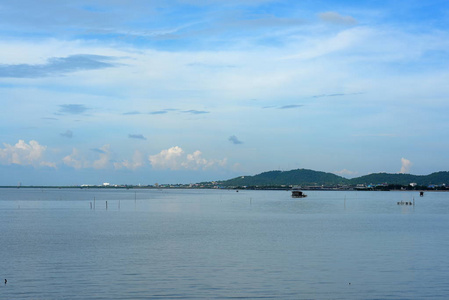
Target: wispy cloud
[(390, 135), (72, 109), (233, 139), (103, 160), (195, 112), (290, 106), (67, 134), (57, 66), (211, 66), (75, 160), (168, 110), (137, 136), (335, 95), (136, 162), (336, 18), (158, 112), (327, 95), (98, 150), (163, 111), (135, 112)]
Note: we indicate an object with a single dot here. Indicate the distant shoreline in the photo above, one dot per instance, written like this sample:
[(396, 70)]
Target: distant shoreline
[(259, 188), (285, 180)]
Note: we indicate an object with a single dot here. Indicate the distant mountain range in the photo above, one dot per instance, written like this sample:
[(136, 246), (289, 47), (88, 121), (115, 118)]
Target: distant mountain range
[(304, 177)]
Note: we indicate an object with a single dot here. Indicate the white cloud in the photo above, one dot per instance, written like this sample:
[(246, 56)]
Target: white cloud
[(167, 159), (25, 154), (195, 161), (346, 172), (78, 161), (75, 160), (406, 164), (105, 158), (174, 158), (136, 162)]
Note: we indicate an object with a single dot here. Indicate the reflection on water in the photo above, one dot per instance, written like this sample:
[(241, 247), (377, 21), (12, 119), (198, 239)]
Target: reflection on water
[(218, 244)]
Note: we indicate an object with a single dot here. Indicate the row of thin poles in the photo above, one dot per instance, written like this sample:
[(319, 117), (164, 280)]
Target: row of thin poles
[(92, 205)]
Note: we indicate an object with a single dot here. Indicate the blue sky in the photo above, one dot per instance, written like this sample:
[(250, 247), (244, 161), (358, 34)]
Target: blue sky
[(139, 92)]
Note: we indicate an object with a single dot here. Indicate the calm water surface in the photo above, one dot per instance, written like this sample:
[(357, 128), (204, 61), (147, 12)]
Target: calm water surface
[(220, 244)]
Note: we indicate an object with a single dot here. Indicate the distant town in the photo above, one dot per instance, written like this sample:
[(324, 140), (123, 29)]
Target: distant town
[(215, 185)]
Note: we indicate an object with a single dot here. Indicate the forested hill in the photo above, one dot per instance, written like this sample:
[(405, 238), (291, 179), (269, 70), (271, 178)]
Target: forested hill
[(293, 177), (404, 179), (306, 177)]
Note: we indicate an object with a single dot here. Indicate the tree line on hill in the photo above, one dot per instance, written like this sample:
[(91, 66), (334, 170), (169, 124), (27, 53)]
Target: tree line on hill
[(311, 178)]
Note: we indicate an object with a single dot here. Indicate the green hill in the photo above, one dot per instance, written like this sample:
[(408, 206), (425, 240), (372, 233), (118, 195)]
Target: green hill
[(293, 177), (306, 177), (403, 179), (436, 178), (378, 178)]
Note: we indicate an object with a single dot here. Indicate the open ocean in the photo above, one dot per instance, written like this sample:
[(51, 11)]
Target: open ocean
[(222, 244)]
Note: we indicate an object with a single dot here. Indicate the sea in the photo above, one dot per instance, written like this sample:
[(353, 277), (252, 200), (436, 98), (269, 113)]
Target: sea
[(222, 244)]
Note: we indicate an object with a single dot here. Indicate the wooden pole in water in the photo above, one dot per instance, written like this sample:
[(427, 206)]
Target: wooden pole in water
[(106, 205), (94, 203)]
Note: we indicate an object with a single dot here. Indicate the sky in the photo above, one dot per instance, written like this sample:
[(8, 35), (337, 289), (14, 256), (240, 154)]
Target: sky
[(145, 92)]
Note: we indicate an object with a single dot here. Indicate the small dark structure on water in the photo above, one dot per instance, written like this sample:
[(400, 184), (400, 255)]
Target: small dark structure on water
[(298, 194)]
